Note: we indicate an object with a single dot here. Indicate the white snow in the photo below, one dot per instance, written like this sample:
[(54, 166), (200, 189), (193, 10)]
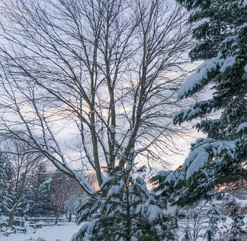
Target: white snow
[(196, 160), (163, 173), (195, 110), (142, 185), (113, 191), (195, 80), (244, 25), (228, 146), (153, 213), (150, 211), (245, 68), (230, 61), (200, 73), (170, 178), (242, 126), (49, 233), (199, 157)]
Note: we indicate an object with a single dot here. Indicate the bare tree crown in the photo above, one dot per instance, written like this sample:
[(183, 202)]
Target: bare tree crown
[(103, 68)]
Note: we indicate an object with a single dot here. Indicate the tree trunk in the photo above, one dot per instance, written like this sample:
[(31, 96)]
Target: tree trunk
[(128, 216), (209, 235), (70, 217), (57, 216), (11, 217)]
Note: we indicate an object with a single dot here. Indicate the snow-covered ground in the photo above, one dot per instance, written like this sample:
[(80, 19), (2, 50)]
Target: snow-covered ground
[(49, 233)]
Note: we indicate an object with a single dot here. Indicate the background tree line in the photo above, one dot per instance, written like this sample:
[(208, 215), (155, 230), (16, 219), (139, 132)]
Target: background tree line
[(23, 191)]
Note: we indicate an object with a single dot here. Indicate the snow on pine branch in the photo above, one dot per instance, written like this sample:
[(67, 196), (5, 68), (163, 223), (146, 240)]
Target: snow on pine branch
[(197, 110), (150, 211), (201, 73), (242, 127), (200, 156)]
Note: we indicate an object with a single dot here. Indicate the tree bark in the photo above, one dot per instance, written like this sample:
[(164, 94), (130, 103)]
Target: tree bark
[(57, 217), (11, 217), (70, 217)]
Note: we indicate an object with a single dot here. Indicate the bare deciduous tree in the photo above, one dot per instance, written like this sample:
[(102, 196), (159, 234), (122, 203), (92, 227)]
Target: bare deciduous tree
[(19, 176), (62, 190), (101, 71)]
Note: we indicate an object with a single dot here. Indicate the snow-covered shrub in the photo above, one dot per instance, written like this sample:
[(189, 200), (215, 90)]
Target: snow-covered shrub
[(200, 219), (214, 217)]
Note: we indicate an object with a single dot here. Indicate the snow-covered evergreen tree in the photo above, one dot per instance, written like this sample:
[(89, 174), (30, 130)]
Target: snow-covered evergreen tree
[(222, 43), (38, 197), (128, 212), (14, 199), (39, 202), (20, 169)]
